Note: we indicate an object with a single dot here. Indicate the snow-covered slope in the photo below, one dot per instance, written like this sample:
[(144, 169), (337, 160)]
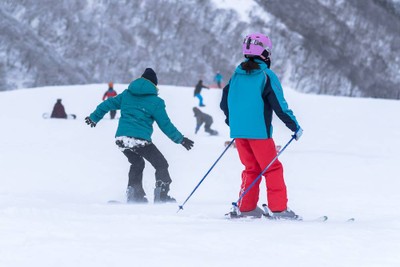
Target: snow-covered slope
[(57, 176)]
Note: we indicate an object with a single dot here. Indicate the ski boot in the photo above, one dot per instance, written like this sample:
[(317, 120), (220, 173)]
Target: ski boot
[(287, 214), (161, 193), (135, 196), (236, 214)]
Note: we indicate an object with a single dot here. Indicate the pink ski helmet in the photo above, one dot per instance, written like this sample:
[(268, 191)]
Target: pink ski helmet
[(254, 44)]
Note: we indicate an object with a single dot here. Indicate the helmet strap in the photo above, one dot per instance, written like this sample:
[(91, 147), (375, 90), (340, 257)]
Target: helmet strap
[(265, 56), (248, 43)]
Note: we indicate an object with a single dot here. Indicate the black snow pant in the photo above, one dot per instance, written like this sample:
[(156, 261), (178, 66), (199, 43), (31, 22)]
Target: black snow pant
[(112, 114), (136, 158)]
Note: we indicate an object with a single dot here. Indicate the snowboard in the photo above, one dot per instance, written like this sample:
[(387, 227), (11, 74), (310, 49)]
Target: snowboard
[(69, 116), (213, 133), (115, 202)]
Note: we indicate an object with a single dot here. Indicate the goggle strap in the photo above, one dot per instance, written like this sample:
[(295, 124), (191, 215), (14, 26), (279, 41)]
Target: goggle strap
[(249, 41)]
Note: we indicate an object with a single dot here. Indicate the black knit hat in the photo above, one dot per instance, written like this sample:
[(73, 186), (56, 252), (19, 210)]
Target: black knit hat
[(150, 75)]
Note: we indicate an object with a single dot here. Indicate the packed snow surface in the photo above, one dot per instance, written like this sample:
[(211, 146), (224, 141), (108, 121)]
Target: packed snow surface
[(57, 176)]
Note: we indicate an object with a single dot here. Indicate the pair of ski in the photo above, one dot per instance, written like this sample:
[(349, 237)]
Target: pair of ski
[(269, 215)]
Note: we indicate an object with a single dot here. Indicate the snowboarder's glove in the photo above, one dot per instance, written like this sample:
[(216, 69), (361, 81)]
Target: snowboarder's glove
[(187, 143), (298, 133), (89, 121)]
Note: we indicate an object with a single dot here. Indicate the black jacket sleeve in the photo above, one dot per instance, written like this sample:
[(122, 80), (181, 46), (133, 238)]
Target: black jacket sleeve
[(273, 95), (224, 103)]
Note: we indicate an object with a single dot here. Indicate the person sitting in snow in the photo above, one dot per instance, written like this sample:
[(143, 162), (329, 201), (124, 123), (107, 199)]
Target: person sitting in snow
[(58, 111), (140, 107), (110, 93), (201, 118)]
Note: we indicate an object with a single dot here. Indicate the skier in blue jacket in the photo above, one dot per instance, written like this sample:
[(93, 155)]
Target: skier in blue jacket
[(248, 101), (218, 79), (140, 107)]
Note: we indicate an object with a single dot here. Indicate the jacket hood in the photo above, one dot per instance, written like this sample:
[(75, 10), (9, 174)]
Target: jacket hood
[(142, 86), (262, 64)]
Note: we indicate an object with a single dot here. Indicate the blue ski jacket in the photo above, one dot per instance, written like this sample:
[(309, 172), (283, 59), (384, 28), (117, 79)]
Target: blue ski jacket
[(140, 106), (249, 100)]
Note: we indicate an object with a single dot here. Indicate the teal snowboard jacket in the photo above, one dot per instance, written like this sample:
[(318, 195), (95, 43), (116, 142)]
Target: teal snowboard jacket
[(140, 106)]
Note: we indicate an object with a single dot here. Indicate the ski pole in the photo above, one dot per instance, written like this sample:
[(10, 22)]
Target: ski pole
[(235, 204), (181, 206)]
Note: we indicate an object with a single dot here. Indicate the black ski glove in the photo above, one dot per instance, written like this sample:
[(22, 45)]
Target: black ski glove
[(187, 143), (89, 121)]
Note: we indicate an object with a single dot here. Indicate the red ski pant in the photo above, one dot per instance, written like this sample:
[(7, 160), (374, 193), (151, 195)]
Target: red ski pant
[(256, 154)]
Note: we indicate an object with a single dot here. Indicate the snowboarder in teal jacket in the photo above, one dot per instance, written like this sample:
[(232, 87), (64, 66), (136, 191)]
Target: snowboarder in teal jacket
[(140, 107)]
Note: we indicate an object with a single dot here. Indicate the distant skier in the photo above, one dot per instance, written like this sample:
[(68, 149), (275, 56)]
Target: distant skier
[(218, 79), (140, 106), (58, 111), (108, 94), (197, 92), (249, 115), (201, 118)]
